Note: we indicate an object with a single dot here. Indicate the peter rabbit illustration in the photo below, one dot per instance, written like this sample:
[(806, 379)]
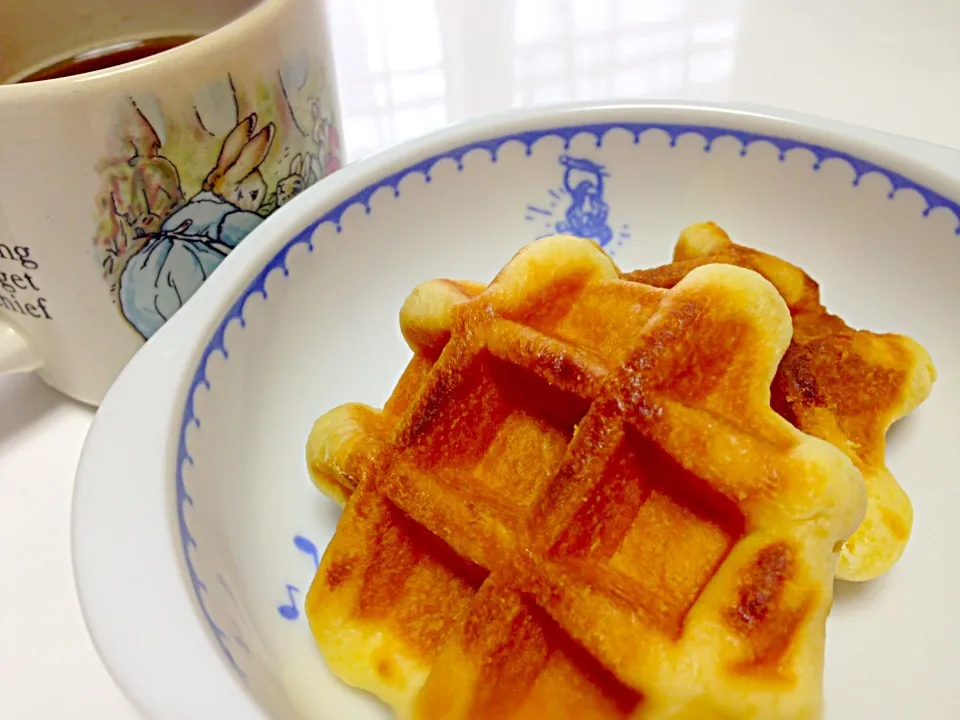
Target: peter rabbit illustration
[(587, 215), (294, 183), (141, 188), (196, 238)]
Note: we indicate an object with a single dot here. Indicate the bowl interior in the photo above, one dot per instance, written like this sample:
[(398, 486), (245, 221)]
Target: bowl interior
[(319, 327)]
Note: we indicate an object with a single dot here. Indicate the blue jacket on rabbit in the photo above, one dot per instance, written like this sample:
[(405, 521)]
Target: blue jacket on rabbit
[(169, 269)]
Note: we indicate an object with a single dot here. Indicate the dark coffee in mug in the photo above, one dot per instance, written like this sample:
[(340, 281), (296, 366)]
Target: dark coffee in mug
[(107, 56)]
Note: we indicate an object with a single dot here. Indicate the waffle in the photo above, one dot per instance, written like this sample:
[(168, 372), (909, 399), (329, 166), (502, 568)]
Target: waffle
[(579, 503), (842, 385)]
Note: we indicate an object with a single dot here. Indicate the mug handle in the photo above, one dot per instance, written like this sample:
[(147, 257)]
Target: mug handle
[(15, 353)]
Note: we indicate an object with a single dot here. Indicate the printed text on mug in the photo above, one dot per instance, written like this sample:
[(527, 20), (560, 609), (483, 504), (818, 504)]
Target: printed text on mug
[(19, 292)]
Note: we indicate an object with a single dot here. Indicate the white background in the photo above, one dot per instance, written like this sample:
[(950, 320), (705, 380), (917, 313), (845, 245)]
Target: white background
[(411, 67)]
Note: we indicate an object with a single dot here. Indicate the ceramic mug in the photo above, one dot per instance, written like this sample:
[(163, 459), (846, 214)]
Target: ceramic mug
[(123, 188)]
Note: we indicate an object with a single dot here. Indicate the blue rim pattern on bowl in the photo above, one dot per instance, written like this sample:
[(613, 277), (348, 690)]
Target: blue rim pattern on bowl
[(528, 139)]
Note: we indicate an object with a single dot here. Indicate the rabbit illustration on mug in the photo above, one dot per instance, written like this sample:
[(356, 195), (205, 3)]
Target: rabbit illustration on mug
[(304, 171), (141, 188), (195, 238), (309, 166), (293, 184)]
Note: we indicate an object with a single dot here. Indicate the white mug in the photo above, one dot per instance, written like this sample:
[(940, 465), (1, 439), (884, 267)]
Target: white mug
[(123, 188)]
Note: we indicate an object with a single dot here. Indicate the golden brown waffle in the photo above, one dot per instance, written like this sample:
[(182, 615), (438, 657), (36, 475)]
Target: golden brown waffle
[(578, 503), (842, 385)]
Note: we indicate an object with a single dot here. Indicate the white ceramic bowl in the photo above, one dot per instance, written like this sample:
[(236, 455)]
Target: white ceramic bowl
[(196, 530)]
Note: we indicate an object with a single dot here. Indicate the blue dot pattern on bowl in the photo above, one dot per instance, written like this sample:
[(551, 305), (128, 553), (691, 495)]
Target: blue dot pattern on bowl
[(257, 286)]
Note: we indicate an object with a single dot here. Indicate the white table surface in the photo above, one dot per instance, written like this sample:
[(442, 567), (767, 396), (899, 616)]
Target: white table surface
[(409, 67)]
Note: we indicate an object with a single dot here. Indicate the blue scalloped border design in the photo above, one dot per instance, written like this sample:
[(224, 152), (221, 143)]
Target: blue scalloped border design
[(257, 286)]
